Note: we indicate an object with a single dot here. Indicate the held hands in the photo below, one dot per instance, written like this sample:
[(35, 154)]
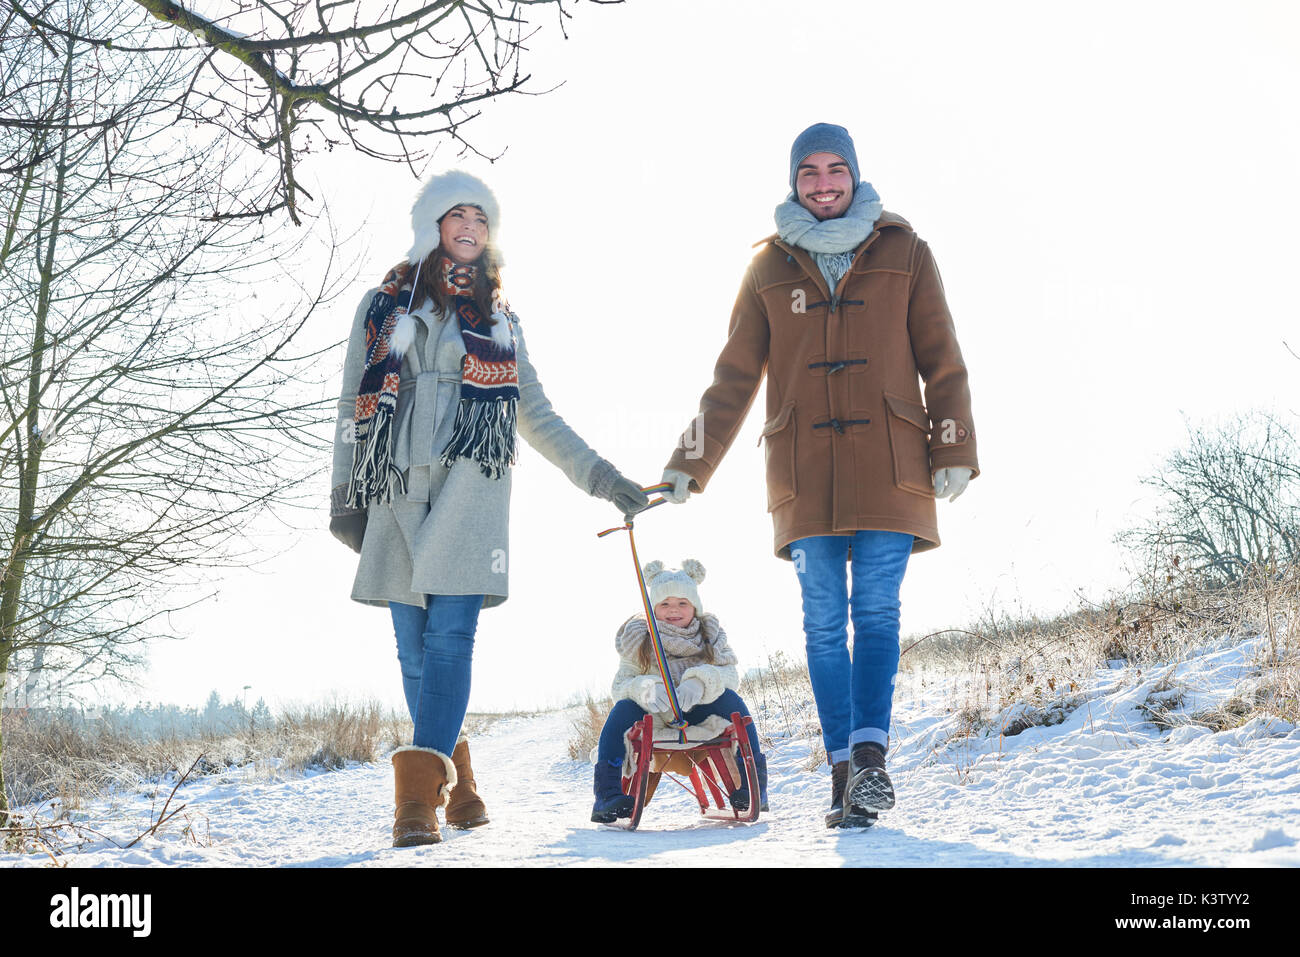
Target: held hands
[(681, 483), (627, 496), (689, 693), (951, 482)]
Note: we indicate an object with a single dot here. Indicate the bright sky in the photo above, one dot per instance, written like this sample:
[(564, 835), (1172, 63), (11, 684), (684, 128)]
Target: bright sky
[(1110, 192)]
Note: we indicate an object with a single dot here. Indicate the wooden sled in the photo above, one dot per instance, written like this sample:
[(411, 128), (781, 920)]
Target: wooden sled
[(710, 766)]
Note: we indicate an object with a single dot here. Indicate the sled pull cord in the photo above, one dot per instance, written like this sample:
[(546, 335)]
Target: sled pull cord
[(678, 723)]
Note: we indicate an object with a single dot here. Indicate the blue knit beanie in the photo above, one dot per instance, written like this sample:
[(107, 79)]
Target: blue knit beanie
[(824, 138)]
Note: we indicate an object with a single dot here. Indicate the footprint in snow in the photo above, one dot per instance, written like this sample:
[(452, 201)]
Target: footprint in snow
[(1167, 840), (1273, 837)]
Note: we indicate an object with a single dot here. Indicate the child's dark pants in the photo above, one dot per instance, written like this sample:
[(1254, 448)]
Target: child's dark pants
[(627, 712)]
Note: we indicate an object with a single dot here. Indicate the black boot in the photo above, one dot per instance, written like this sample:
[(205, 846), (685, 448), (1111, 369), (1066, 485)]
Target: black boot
[(740, 796), (869, 786), (611, 802), (836, 817)]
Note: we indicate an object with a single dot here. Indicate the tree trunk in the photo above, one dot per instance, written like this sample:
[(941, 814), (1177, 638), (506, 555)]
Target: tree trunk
[(11, 589)]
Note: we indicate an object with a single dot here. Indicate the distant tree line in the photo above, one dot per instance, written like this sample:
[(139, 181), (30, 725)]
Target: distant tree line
[(149, 721)]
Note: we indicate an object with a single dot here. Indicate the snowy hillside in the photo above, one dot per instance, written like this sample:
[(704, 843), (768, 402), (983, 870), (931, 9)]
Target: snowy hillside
[(1103, 787)]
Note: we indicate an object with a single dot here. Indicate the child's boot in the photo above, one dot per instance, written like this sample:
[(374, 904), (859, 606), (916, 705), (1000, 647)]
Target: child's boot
[(740, 796), (611, 802)]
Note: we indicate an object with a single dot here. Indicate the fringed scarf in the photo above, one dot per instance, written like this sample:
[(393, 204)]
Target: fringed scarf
[(489, 387), (374, 476)]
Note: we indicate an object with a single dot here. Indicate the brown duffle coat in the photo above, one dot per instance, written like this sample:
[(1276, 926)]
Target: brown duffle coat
[(850, 443)]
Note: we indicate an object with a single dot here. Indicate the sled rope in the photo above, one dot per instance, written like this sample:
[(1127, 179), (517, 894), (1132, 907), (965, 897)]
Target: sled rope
[(678, 723)]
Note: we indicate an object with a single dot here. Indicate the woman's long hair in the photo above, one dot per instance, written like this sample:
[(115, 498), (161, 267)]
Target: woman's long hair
[(487, 283)]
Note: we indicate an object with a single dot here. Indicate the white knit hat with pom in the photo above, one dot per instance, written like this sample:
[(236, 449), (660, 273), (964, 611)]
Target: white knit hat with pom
[(664, 582), (445, 192)]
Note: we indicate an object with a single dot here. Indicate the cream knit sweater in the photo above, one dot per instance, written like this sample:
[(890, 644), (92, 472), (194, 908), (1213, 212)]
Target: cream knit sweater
[(686, 650)]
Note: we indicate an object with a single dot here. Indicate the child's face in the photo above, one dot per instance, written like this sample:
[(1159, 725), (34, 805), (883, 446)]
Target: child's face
[(677, 612)]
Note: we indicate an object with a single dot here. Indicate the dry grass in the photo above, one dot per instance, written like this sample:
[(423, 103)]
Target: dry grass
[(72, 761), (1164, 701), (1273, 693), (780, 698), (1038, 665), (587, 726)]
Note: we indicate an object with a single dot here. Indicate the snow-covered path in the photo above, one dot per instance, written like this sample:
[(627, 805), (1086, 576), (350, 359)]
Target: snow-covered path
[(1103, 788)]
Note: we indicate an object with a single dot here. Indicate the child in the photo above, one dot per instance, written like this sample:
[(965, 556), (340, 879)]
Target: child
[(701, 666)]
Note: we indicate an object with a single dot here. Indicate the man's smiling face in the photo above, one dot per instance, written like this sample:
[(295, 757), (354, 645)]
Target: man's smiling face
[(824, 185)]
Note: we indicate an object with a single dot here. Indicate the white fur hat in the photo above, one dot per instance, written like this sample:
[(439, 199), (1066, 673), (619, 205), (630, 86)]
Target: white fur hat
[(441, 193), (664, 583)]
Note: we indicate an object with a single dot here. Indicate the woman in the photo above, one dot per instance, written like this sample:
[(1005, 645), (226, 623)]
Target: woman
[(435, 384)]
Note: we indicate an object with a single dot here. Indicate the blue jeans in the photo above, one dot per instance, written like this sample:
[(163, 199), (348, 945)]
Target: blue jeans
[(855, 696), (627, 712), (435, 648)]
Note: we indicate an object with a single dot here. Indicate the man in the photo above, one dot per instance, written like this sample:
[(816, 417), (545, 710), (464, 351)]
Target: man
[(844, 311)]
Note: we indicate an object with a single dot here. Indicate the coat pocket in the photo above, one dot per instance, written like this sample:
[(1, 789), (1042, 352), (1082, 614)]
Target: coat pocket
[(909, 444), (780, 435)]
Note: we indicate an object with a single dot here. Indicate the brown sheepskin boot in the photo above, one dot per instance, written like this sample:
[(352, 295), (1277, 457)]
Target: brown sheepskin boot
[(465, 809), (423, 779)]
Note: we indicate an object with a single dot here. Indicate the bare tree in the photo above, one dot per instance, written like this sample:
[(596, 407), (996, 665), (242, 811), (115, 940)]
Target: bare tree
[(388, 76), (153, 399), (151, 402), (1230, 500), (69, 643)]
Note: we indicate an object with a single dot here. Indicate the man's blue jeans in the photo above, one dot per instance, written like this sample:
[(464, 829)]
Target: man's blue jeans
[(854, 698), (435, 648)]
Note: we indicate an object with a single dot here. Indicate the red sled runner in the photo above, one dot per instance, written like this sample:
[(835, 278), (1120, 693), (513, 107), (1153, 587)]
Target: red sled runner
[(710, 766)]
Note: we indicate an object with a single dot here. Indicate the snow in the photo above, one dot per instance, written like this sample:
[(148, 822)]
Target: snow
[(1104, 787)]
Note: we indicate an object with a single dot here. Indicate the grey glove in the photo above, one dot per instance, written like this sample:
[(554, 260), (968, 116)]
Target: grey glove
[(951, 482), (350, 528), (680, 482), (608, 483), (628, 497)]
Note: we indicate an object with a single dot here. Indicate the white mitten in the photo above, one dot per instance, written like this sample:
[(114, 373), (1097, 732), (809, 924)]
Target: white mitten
[(951, 482), (689, 693), (653, 696), (681, 489)]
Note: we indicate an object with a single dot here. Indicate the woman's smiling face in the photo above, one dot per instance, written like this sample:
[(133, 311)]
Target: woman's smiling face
[(464, 231)]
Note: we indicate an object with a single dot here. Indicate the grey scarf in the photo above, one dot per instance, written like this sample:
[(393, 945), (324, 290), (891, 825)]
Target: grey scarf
[(685, 647), (831, 241)]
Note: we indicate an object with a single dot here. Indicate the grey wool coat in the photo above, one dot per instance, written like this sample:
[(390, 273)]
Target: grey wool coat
[(448, 534)]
